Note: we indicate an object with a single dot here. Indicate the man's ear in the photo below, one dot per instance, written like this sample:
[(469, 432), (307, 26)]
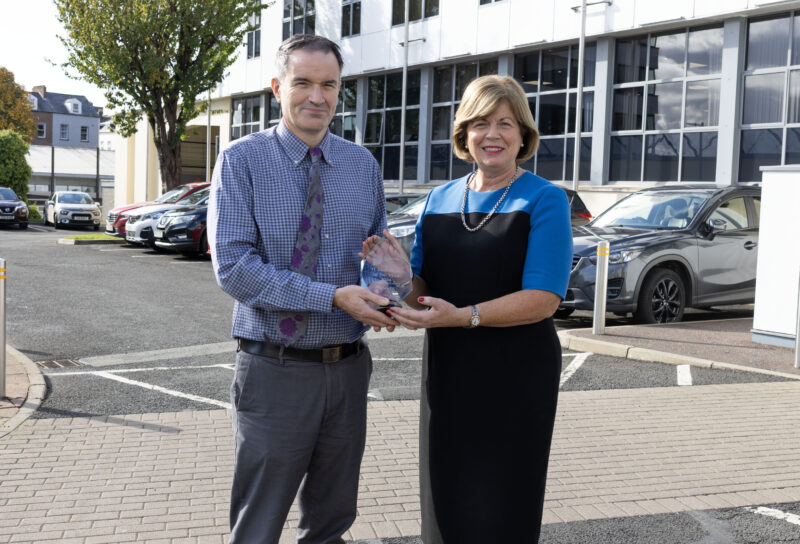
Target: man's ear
[(276, 88)]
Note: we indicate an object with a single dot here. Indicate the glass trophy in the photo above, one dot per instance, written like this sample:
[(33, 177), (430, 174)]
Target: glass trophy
[(385, 271)]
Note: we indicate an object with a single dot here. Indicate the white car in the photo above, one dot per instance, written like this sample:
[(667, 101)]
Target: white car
[(141, 223), (72, 208)]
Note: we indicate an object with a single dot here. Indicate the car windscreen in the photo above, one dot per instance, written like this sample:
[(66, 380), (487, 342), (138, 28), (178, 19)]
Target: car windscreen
[(414, 207), (7, 194), (75, 198), (196, 197), (174, 195), (653, 210)]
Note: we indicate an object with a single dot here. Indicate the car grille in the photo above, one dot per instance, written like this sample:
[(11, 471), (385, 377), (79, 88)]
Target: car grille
[(112, 217), (8, 210), (614, 288)]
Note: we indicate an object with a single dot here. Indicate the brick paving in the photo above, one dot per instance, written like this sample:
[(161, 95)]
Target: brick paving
[(165, 478)]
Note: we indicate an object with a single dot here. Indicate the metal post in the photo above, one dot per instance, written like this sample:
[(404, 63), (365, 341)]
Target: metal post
[(2, 328), (403, 103), (576, 165), (600, 289), (797, 328), (208, 140)]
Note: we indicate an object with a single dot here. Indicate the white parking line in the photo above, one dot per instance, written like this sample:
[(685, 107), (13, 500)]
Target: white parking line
[(133, 370), (160, 354), (794, 519), (164, 390), (577, 361), (684, 375), (148, 256)]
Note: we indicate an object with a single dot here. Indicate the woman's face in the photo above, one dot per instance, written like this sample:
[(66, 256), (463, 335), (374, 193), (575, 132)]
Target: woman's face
[(494, 141)]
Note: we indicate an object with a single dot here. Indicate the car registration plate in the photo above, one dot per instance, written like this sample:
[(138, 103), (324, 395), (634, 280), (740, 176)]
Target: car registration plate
[(80, 217), (129, 235), (6, 217), (159, 233)]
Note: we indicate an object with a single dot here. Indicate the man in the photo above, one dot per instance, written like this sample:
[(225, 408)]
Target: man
[(289, 209)]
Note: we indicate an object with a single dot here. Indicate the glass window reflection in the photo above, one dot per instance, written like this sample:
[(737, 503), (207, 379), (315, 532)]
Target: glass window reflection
[(702, 103), (768, 42), (763, 98), (667, 55), (699, 156), (705, 51), (759, 148), (661, 157), (664, 105)]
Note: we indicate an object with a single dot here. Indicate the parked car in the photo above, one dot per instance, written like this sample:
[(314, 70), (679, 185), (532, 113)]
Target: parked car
[(403, 221), (395, 201), (671, 247), (141, 222), (183, 230), (13, 210), (115, 221), (71, 208)]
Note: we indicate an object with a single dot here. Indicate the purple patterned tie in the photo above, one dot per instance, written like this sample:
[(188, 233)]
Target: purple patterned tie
[(293, 325)]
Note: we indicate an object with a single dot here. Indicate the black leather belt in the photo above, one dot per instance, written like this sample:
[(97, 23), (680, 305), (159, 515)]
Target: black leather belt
[(328, 354)]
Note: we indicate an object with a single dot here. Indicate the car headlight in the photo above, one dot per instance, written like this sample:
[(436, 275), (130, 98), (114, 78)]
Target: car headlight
[(21, 208), (148, 216), (619, 257), (182, 220), (96, 213), (402, 231), (64, 212)]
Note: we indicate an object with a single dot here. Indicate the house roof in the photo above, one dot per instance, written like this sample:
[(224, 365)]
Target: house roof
[(55, 103), (70, 161)]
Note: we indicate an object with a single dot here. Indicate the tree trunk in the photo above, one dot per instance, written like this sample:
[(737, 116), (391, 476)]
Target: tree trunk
[(170, 163)]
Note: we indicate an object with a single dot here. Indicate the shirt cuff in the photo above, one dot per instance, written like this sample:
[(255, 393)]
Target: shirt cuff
[(320, 297)]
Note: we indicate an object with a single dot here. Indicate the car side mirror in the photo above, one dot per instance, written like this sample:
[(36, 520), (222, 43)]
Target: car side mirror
[(716, 226)]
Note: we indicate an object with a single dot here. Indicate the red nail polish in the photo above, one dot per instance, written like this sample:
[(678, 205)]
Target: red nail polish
[(419, 299)]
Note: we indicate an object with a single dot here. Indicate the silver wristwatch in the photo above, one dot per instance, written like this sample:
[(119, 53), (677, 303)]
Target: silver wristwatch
[(475, 320)]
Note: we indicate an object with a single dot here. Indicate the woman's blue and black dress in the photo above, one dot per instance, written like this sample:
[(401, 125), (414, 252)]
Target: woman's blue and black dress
[(489, 394)]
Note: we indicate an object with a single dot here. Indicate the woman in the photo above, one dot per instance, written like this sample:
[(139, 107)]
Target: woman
[(491, 262)]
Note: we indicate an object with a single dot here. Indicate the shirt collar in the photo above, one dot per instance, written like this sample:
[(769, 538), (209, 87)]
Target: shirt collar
[(296, 149)]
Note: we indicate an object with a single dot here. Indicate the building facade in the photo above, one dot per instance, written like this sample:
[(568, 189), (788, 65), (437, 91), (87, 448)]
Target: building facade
[(64, 120), (680, 91)]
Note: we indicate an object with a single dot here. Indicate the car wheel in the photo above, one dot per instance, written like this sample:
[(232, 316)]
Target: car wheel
[(563, 313), (662, 299), (44, 218), (55, 222), (97, 227), (202, 247)]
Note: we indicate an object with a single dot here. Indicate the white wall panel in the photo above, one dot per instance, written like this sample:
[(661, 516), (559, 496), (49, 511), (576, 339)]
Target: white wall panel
[(493, 27), (654, 11), (530, 21), (703, 8), (459, 28), (351, 54), (376, 16), (375, 51)]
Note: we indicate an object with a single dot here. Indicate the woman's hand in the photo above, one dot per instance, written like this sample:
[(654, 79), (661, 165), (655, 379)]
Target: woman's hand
[(440, 313)]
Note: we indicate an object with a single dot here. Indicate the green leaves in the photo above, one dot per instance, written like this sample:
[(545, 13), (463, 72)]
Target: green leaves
[(14, 168)]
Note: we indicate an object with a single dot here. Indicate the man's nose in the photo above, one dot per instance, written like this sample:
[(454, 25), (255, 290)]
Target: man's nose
[(316, 95)]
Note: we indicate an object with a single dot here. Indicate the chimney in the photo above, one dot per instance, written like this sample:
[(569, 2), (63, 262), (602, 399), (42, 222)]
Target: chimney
[(99, 111), (41, 89)]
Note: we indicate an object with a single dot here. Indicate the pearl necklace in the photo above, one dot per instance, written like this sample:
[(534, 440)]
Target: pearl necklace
[(491, 213)]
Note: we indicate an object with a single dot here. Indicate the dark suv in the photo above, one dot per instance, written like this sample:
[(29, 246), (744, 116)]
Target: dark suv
[(13, 210), (671, 247)]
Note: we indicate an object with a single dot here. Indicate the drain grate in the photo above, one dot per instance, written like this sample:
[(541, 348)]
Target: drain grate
[(60, 363)]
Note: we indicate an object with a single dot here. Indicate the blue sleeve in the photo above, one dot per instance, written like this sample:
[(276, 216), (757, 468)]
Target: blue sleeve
[(416, 250), (240, 268), (549, 258)]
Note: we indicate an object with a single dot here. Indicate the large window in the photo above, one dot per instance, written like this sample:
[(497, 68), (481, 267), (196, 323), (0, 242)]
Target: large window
[(351, 18), (84, 134), (665, 99), (382, 127), (64, 132), (344, 121), (771, 96), (246, 116), (254, 37), (550, 79), (449, 83), (417, 9), (273, 110), (299, 17), (41, 130)]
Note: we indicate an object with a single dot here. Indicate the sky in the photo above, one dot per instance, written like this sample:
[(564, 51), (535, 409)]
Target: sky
[(28, 36)]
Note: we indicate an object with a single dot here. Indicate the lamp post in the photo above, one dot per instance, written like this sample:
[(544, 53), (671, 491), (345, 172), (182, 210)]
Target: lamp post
[(579, 95), (208, 139)]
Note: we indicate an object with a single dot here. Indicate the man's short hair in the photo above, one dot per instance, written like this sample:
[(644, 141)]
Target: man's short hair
[(309, 42)]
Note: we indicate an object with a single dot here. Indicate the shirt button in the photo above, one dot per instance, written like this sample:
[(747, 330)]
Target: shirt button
[(326, 236), (329, 266)]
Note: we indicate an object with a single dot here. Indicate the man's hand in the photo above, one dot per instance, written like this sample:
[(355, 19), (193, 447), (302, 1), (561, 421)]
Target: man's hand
[(355, 300), (386, 255)]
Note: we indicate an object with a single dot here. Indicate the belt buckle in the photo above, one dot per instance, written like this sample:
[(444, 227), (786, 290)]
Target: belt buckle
[(332, 354)]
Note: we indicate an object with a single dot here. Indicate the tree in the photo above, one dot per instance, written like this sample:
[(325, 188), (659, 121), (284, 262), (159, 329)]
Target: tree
[(15, 109), (14, 168), (154, 58)]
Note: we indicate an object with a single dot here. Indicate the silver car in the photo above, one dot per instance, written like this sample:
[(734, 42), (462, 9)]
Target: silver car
[(72, 208), (141, 223)]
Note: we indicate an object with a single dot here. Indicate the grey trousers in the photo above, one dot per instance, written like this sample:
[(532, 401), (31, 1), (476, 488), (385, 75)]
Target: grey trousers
[(297, 426)]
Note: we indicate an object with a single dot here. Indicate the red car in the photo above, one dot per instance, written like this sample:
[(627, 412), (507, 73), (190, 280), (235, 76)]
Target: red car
[(115, 221)]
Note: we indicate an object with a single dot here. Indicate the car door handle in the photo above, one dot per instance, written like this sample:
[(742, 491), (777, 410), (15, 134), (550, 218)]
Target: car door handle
[(750, 244)]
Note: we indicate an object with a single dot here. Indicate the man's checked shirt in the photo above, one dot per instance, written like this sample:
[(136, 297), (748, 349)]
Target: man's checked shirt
[(258, 192)]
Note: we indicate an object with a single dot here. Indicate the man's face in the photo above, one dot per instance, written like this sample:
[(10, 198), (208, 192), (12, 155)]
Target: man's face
[(308, 93)]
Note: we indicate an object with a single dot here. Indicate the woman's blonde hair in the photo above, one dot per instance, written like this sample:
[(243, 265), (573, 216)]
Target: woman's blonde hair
[(481, 98)]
